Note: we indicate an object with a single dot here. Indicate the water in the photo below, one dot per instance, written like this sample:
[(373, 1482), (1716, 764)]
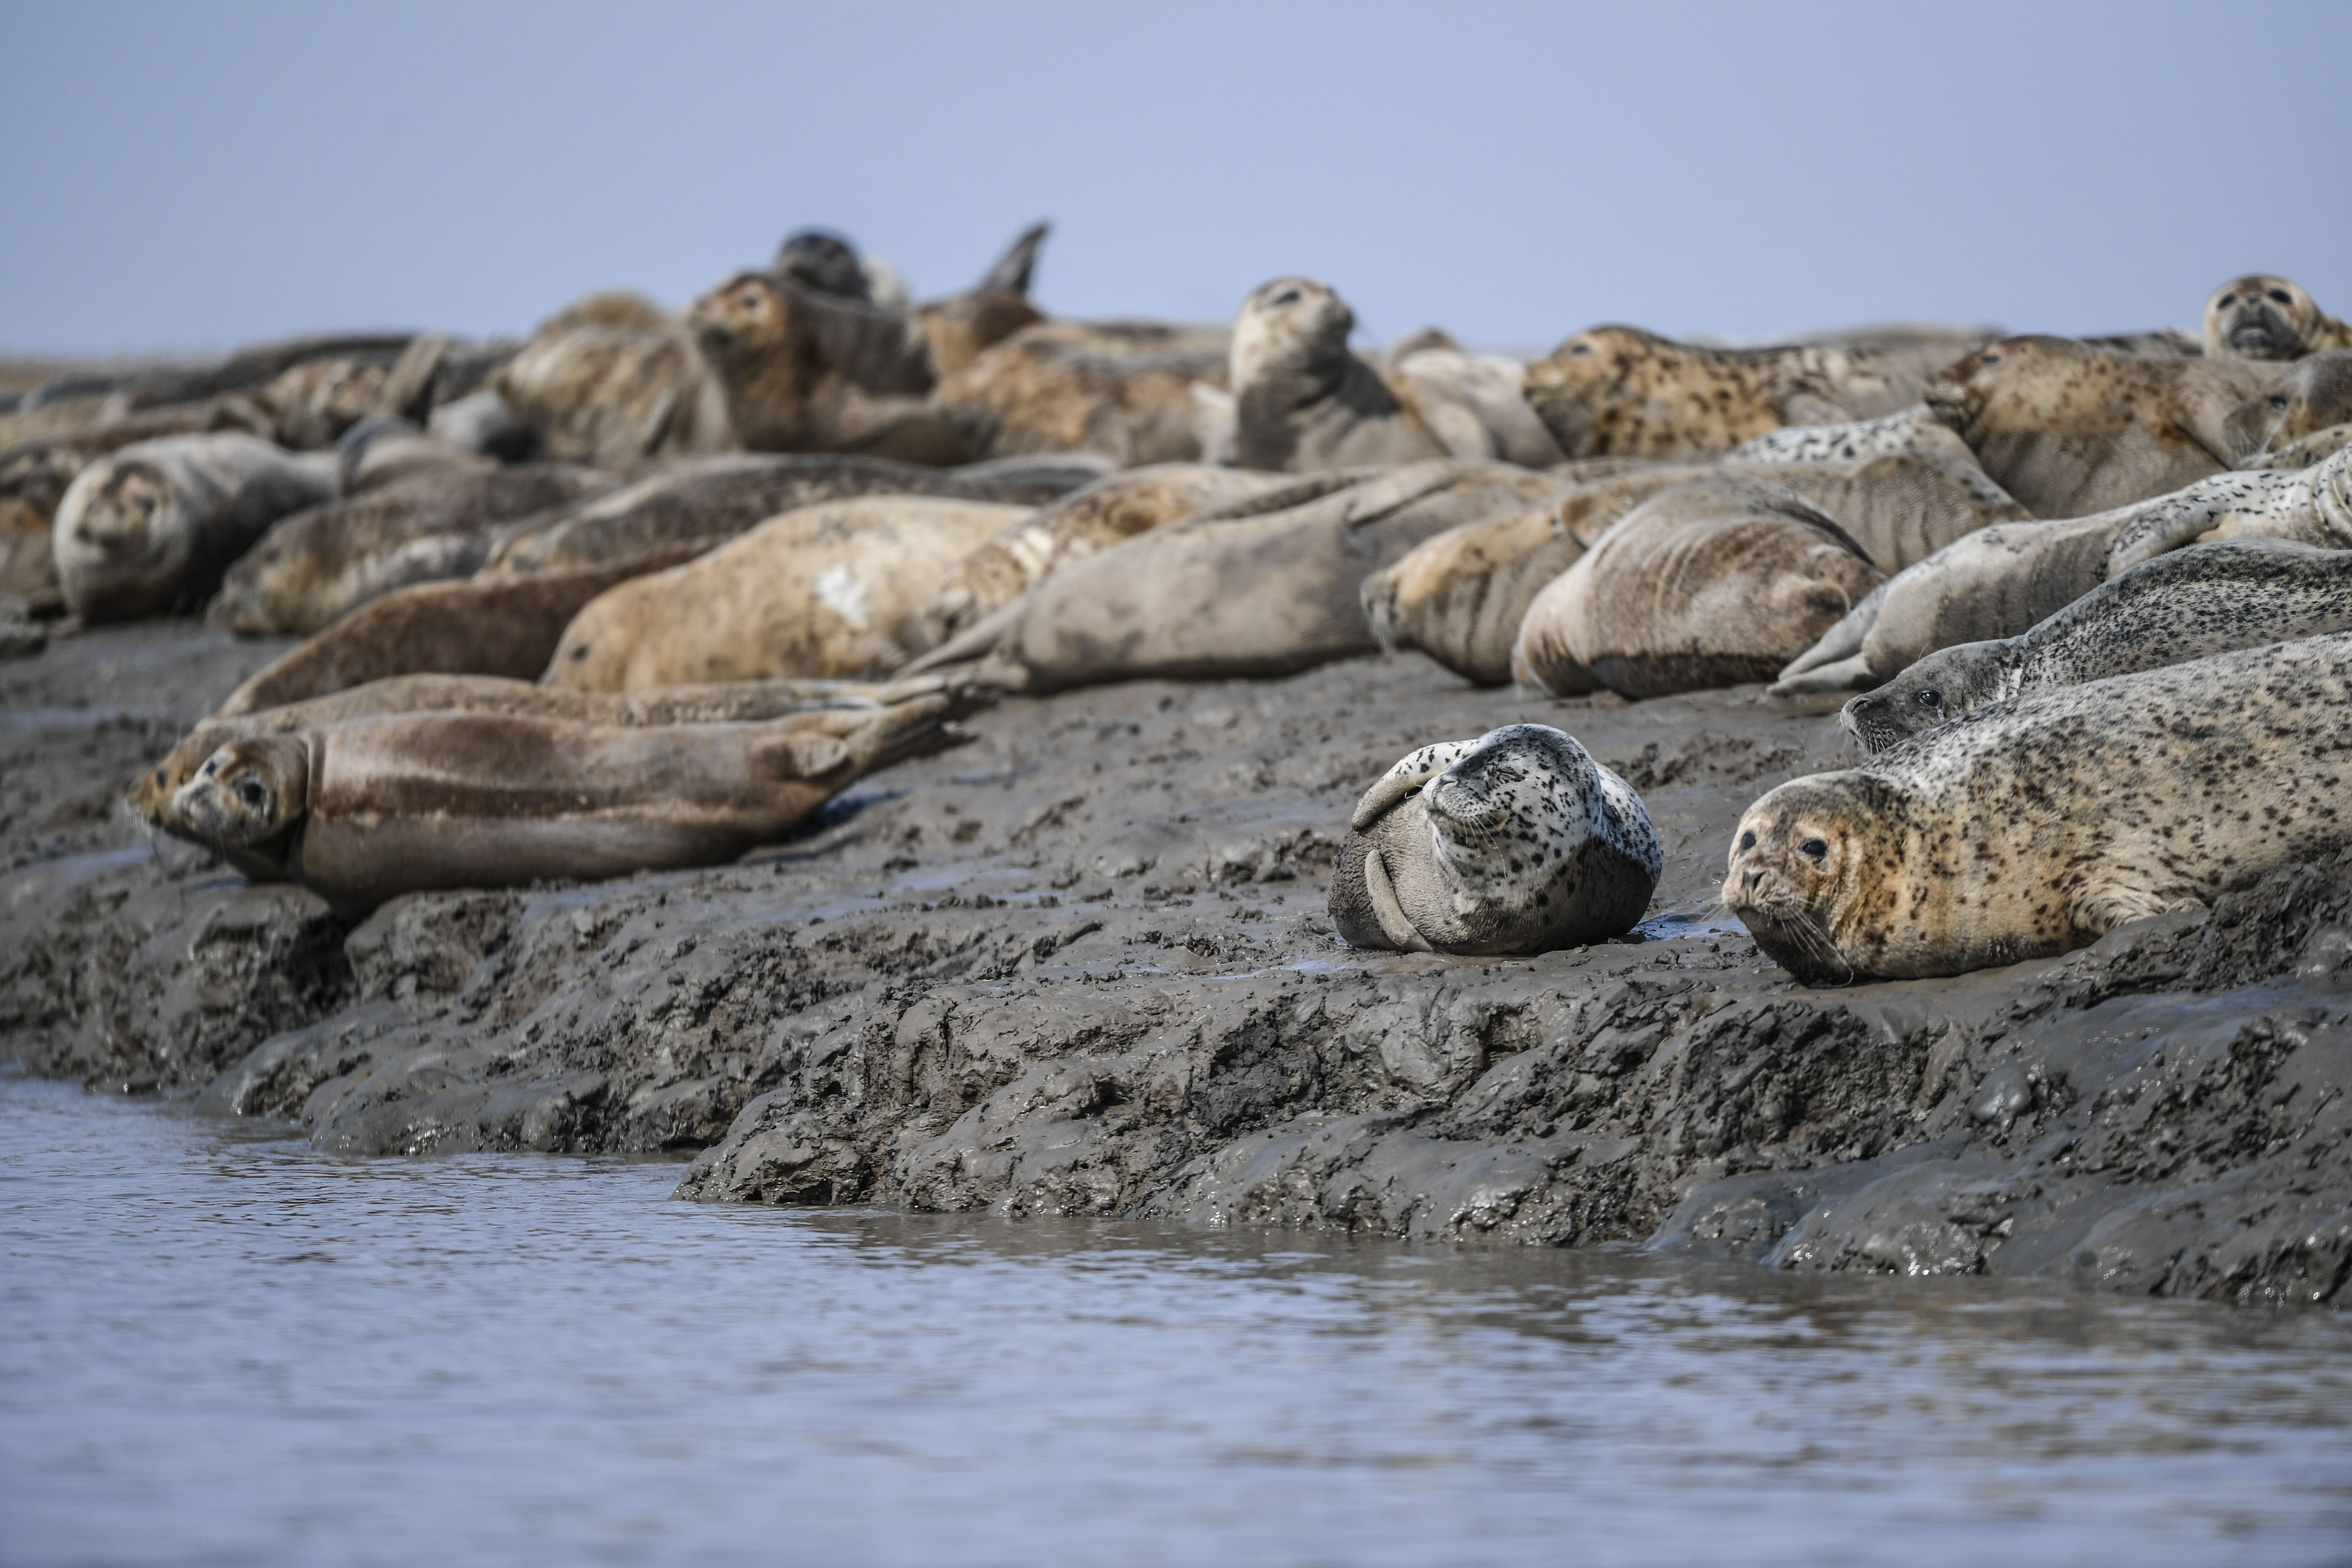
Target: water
[(222, 1346)]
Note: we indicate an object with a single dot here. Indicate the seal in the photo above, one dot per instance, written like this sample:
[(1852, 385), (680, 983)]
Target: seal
[(385, 449), (2263, 317), (1117, 507), (151, 527), (312, 403), (1302, 400), (1264, 587), (601, 386), (723, 702), (324, 562), (507, 626), (372, 808), (2069, 430), (1460, 597), (2038, 825), (1622, 392), (2004, 578), (1472, 404), (709, 500), (1710, 583), (2312, 398), (2191, 604), (831, 590), (1050, 390), (1516, 842)]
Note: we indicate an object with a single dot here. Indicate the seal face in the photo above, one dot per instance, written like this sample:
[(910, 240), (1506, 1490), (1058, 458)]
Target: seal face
[(2038, 824), (1516, 842), (246, 794), (2259, 316)]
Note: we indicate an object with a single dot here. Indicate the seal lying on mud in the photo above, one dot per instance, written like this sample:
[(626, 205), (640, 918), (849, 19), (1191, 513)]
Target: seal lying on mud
[(2000, 580), (155, 524), (364, 811), (1711, 583), (2069, 430), (2191, 604), (2038, 825), (2262, 317), (1623, 392), (1516, 842)]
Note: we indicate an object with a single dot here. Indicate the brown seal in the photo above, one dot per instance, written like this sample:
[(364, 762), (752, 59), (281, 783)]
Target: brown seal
[(372, 808), (2039, 824), (614, 383), (1623, 392), (2297, 421), (1056, 389), (506, 626), (1516, 842), (2262, 317), (153, 526), (2069, 430), (834, 589), (1710, 583), (320, 563)]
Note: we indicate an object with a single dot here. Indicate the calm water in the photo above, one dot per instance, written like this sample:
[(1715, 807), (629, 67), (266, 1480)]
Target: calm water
[(223, 1347)]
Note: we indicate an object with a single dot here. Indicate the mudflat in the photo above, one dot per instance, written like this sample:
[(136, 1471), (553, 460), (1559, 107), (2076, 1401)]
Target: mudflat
[(1082, 965)]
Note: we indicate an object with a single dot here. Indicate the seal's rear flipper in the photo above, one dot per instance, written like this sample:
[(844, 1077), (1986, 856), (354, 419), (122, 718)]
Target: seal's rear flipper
[(1012, 272), (1846, 675)]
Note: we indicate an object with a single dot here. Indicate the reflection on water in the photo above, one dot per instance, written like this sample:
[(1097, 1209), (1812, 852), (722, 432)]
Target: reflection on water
[(226, 1347)]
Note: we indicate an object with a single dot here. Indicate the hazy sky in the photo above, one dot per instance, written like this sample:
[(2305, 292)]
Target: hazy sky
[(188, 177)]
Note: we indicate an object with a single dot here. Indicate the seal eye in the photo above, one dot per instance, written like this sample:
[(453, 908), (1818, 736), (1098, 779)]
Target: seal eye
[(1288, 297), (1746, 841), (1580, 350), (2278, 405), (1814, 848), (1928, 697), (249, 791), (580, 652), (2226, 301), (2280, 295)]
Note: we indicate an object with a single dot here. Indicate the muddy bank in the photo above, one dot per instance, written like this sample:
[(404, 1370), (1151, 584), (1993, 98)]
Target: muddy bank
[(1082, 965)]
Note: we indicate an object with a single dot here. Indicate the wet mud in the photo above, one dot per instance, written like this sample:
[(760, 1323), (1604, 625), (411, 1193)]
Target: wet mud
[(1082, 965)]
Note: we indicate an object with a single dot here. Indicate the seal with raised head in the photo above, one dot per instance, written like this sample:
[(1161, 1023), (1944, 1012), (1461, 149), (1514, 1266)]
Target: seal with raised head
[(330, 559), (1516, 842), (2069, 430), (366, 810), (1710, 583), (2192, 603), (2038, 825), (154, 525), (2263, 317), (1623, 392), (1302, 399)]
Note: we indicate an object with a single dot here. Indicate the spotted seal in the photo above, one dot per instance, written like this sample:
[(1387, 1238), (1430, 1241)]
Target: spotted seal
[(2037, 825), (601, 386), (2307, 410), (2190, 603), (1516, 842), (364, 811), (1051, 389), (2261, 316)]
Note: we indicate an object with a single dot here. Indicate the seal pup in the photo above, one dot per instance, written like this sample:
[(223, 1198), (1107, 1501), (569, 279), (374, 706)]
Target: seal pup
[(1262, 587), (1044, 390), (1714, 582), (2262, 317), (321, 563), (2203, 600), (372, 808), (1622, 392), (2069, 430), (495, 626), (2038, 824), (835, 589), (1516, 842), (709, 500), (1302, 399), (153, 526), (1117, 507)]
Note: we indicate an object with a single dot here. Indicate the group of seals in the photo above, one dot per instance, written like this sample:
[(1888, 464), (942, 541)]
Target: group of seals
[(2037, 824), (2186, 605), (1516, 842)]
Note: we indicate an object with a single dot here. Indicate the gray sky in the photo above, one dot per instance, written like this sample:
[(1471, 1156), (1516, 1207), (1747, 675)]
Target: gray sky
[(187, 178)]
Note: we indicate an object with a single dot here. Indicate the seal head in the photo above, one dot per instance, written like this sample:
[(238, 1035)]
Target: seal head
[(1808, 865), (248, 794), (2262, 317)]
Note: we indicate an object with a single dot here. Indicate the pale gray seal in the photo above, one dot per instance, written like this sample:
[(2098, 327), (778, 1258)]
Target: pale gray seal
[(1303, 400), (2190, 603), (1516, 842), (2038, 824)]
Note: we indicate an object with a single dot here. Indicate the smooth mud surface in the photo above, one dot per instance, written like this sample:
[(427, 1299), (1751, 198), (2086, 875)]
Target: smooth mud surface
[(226, 1346), (1082, 967)]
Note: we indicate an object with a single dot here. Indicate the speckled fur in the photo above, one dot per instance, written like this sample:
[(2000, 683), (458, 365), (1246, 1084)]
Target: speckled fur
[(2191, 604), (2037, 825), (1516, 842), (2262, 317)]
